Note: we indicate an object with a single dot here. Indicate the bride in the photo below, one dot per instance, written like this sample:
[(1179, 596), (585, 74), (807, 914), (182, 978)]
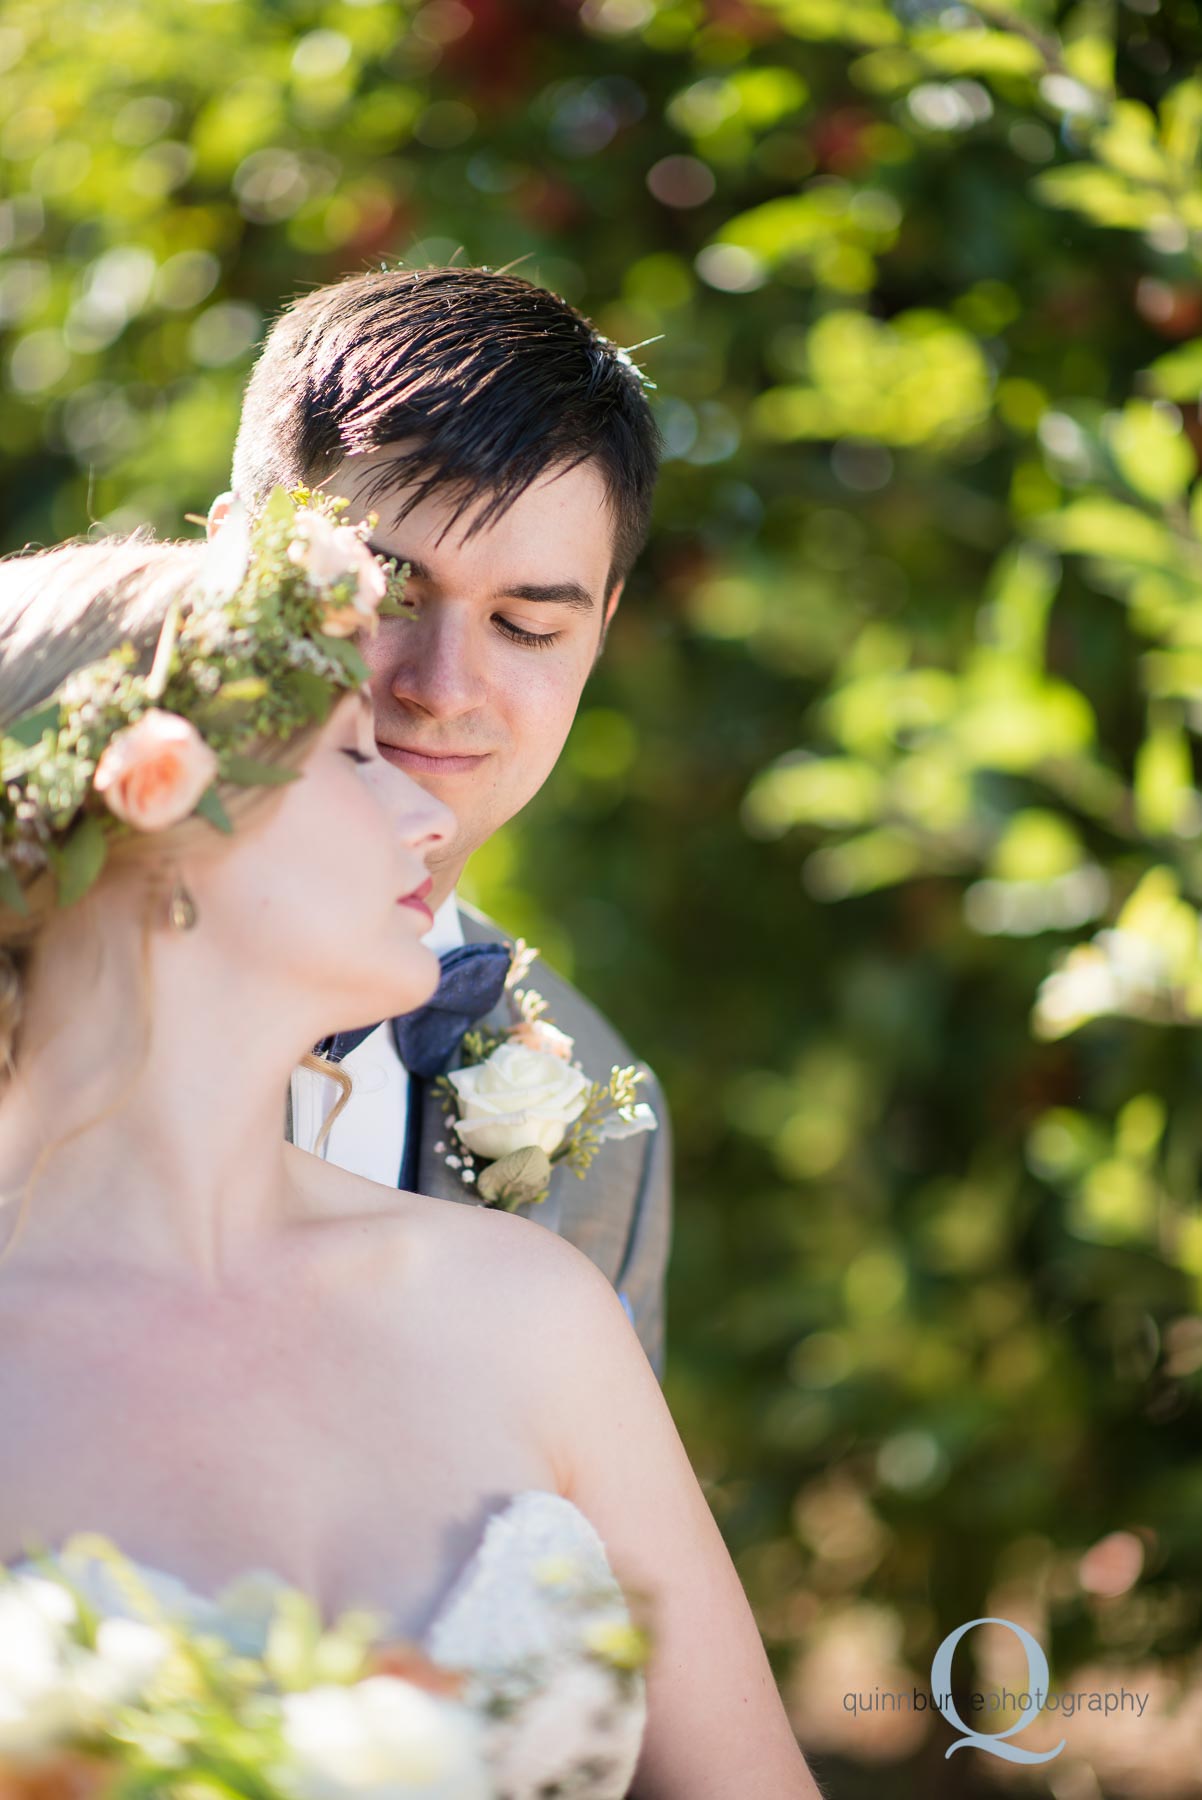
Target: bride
[(217, 1350)]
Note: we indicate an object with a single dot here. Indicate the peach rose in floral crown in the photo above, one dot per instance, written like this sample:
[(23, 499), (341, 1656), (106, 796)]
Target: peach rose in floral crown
[(336, 553), (152, 774)]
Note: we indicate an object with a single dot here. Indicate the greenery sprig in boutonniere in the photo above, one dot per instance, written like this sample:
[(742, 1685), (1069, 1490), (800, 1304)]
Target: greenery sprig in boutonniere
[(521, 1105)]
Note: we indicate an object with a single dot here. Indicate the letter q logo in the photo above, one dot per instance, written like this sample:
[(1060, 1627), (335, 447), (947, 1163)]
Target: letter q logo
[(992, 1742)]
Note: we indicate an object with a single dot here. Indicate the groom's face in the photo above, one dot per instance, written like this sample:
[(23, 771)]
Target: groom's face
[(475, 696)]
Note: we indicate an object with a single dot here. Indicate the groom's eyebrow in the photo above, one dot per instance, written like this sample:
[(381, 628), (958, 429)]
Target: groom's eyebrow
[(556, 593), (561, 593)]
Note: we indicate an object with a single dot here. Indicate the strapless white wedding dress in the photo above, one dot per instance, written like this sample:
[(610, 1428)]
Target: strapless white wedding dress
[(527, 1620)]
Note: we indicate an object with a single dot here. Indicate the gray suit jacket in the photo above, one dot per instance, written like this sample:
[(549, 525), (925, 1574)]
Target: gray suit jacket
[(620, 1213)]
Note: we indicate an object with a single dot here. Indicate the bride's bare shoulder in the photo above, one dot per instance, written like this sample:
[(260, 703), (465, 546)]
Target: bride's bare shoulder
[(506, 1256), (504, 1309), (502, 1255)]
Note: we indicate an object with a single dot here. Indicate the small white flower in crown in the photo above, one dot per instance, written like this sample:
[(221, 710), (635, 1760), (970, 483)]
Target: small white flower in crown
[(521, 1104)]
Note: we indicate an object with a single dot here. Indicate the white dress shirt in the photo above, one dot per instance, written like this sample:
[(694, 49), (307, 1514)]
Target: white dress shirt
[(368, 1136)]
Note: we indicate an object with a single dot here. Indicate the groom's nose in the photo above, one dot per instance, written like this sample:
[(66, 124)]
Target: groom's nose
[(440, 666)]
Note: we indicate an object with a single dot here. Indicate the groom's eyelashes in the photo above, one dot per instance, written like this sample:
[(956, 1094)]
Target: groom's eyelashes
[(539, 640)]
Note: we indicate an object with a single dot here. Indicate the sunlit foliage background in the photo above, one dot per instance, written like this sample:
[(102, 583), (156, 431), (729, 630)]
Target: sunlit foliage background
[(879, 829)]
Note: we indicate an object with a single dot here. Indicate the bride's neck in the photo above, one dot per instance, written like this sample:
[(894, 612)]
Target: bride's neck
[(158, 1077)]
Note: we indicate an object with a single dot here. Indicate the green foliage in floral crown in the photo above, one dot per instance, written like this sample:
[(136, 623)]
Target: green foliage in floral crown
[(258, 648)]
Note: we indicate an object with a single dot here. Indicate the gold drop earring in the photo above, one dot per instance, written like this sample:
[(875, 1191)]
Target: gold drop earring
[(181, 909)]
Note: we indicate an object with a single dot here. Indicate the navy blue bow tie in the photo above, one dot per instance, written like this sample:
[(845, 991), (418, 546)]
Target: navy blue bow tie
[(472, 981)]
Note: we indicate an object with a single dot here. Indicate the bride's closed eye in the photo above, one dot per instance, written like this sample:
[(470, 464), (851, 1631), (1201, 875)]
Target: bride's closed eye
[(358, 756)]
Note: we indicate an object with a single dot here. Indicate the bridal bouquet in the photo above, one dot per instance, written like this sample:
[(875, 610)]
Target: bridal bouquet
[(113, 1685)]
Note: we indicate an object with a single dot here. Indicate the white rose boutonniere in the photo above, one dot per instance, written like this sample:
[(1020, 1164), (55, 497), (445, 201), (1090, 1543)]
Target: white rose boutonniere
[(515, 1098), (521, 1104)]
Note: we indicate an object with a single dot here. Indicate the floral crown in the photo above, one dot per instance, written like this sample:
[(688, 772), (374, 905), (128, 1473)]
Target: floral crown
[(257, 647)]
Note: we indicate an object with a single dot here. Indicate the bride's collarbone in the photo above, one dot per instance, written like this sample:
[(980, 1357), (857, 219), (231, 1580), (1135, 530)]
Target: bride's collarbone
[(376, 1320), (310, 1426)]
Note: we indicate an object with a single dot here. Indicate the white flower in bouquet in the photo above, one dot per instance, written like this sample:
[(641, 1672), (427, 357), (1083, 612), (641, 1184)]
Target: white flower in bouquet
[(128, 1655), (53, 1688), (517, 1098), (37, 1708), (382, 1739)]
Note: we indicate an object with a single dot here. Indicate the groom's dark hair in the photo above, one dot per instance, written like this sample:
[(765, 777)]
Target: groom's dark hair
[(496, 380)]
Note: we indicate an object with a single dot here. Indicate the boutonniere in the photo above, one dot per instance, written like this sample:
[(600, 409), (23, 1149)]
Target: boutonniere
[(521, 1104)]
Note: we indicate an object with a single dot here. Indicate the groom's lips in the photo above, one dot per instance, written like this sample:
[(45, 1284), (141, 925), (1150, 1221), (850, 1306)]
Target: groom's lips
[(424, 762)]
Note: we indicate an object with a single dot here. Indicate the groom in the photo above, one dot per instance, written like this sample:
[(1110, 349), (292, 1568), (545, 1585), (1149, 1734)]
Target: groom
[(510, 454)]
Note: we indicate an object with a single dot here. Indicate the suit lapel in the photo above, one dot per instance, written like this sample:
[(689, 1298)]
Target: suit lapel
[(433, 1174)]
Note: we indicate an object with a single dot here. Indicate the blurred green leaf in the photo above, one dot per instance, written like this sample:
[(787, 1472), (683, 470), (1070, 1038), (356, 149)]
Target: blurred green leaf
[(1152, 452), (78, 860)]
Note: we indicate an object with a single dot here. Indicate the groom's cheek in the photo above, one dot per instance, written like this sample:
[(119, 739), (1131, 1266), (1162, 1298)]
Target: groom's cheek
[(543, 712)]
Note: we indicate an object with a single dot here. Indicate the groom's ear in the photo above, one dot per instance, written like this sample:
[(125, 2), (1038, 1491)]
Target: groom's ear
[(611, 607), (217, 513)]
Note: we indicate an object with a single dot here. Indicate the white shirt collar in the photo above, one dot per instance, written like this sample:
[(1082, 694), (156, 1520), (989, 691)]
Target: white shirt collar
[(369, 1137), (447, 930)]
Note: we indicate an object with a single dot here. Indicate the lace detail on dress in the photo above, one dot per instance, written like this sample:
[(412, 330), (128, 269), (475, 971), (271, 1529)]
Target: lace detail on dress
[(530, 1618), (536, 1620)]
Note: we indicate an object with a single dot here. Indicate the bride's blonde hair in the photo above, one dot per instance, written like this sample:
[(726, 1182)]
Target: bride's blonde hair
[(61, 610)]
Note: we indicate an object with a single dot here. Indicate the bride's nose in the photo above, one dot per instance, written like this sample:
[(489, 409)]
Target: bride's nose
[(425, 822)]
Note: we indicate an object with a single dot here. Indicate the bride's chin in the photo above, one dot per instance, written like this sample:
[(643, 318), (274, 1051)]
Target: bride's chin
[(393, 984), (418, 971)]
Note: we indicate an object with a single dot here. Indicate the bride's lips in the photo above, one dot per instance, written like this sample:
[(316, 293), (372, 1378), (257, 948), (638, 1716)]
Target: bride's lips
[(417, 900), (424, 762)]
